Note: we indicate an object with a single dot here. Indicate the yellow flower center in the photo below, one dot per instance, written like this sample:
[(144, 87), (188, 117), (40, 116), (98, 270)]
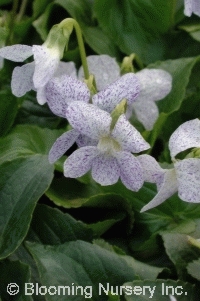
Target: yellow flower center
[(108, 145)]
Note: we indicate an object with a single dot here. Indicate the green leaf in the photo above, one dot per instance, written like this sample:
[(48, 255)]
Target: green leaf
[(193, 269), (179, 69), (143, 270), (70, 193), (31, 112), (51, 226), (27, 140), (15, 273), (80, 10), (39, 6), (8, 111), (98, 40), (22, 183), (179, 250), (80, 263), (101, 227), (159, 290), (131, 25)]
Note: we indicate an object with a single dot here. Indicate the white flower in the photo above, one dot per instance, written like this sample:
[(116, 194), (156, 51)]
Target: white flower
[(35, 75), (155, 84), (192, 6), (104, 68), (61, 92), (185, 176), (111, 157)]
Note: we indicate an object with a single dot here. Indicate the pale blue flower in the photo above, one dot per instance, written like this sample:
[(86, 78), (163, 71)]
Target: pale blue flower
[(35, 75), (192, 6), (110, 157), (155, 84), (184, 178), (61, 92)]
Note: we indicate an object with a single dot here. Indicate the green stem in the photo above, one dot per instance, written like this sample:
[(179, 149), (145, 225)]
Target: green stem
[(22, 10), (12, 21), (77, 28)]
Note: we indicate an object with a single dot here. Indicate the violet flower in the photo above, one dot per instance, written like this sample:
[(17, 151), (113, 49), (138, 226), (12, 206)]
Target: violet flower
[(184, 178), (192, 6), (111, 158), (155, 84), (35, 75), (61, 92)]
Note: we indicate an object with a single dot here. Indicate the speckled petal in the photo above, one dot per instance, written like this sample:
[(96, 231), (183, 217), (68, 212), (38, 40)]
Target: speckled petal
[(88, 119), (22, 79), (167, 189), (126, 86), (46, 63), (104, 68), (155, 84), (80, 162), (187, 135), (188, 177), (128, 137), (146, 112), (61, 91), (83, 140), (16, 53), (41, 96), (131, 173), (66, 68), (62, 144), (192, 6), (105, 170), (153, 173)]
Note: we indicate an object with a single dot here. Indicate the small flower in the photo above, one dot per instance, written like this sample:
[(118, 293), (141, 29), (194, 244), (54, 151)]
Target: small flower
[(155, 84), (35, 75), (192, 6), (185, 176), (59, 92), (105, 69), (110, 157)]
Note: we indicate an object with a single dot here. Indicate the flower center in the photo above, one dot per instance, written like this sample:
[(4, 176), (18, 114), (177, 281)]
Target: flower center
[(108, 145)]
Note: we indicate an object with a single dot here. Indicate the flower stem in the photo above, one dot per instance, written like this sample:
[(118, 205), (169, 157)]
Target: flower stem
[(22, 10), (77, 28), (12, 21)]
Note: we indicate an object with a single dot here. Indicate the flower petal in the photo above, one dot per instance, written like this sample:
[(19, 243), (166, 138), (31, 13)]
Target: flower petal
[(131, 173), (41, 96), (128, 137), (104, 68), (153, 173), (187, 135), (61, 91), (105, 170), (88, 119), (146, 112), (80, 162), (22, 79), (16, 53), (126, 86), (155, 84), (66, 68), (62, 144), (188, 177), (46, 63), (192, 6), (83, 140), (167, 189)]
